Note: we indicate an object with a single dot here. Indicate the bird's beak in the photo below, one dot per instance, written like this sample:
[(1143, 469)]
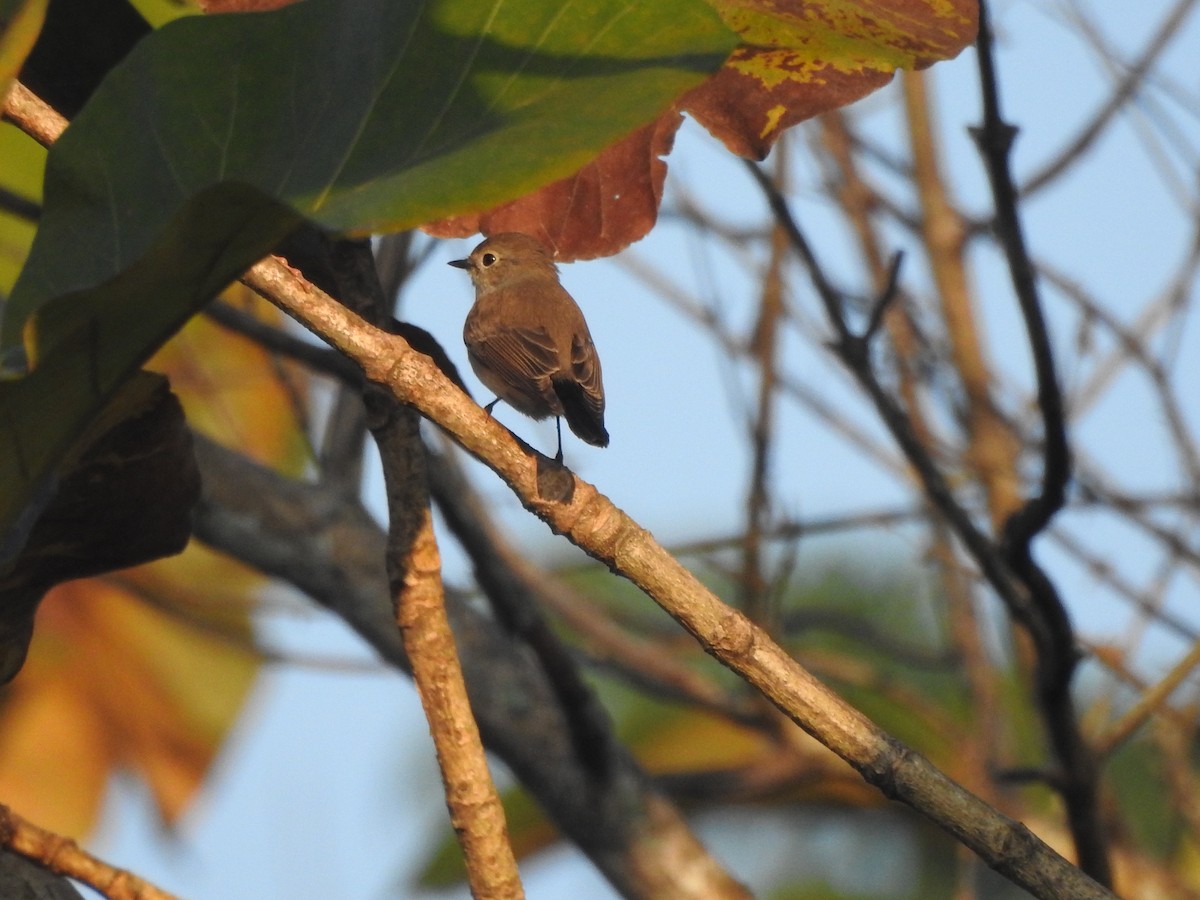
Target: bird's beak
[(460, 263)]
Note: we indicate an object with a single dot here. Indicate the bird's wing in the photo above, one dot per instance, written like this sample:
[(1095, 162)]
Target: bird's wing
[(585, 368), (523, 358)]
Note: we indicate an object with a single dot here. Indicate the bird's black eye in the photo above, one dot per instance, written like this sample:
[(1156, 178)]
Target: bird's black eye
[(488, 259)]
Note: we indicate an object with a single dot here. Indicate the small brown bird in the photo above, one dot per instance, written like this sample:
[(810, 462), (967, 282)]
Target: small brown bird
[(527, 339)]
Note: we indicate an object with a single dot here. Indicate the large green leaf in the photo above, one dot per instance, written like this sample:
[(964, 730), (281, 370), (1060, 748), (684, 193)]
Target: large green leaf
[(364, 115), (217, 134)]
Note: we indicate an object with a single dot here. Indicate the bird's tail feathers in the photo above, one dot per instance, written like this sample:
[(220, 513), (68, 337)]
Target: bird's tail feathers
[(581, 414)]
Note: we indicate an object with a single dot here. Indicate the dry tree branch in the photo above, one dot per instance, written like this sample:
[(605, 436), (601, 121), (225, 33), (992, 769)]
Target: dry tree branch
[(1148, 704), (992, 450), (1057, 654), (504, 577), (63, 856), (994, 138), (414, 572)]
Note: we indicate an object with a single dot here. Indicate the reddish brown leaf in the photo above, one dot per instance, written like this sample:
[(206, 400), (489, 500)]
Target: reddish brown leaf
[(608, 204), (800, 58), (748, 115)]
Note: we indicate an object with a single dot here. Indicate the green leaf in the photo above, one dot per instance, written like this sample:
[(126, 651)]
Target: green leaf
[(217, 134), (364, 115), (158, 13), (44, 414), (23, 161)]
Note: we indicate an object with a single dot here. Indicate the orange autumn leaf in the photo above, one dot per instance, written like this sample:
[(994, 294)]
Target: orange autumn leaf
[(805, 57), (145, 670), (235, 392), (612, 197)]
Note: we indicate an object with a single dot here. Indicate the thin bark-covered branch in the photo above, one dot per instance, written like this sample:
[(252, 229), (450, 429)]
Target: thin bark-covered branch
[(1019, 583), (991, 447), (1056, 651), (418, 598), (514, 598), (62, 856), (994, 138), (414, 571)]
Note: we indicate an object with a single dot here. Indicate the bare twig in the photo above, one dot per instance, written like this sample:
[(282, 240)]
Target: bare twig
[(991, 448), (1149, 703), (415, 581), (764, 347), (1055, 640), (63, 856), (994, 138), (33, 116), (414, 566)]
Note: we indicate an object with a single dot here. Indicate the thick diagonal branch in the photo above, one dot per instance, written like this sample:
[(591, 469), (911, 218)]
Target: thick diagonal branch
[(593, 523)]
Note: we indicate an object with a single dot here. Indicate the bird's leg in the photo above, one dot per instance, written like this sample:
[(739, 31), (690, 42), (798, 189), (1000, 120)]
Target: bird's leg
[(558, 426), (488, 409)]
